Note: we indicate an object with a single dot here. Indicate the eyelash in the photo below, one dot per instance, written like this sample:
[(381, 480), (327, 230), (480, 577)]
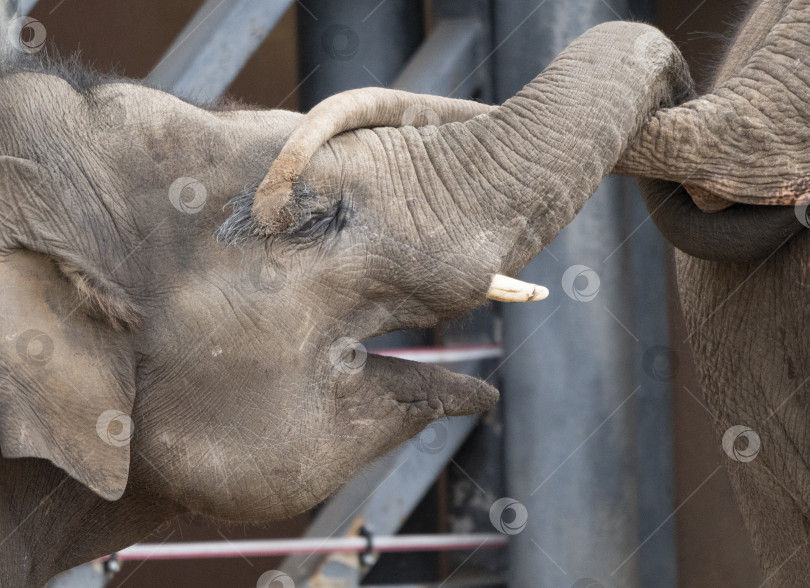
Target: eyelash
[(314, 225)]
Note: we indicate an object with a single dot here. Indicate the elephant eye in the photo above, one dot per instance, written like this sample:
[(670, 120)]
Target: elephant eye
[(315, 225)]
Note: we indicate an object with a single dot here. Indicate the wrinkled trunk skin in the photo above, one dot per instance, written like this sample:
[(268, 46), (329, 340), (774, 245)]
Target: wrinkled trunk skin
[(534, 161), (747, 325)]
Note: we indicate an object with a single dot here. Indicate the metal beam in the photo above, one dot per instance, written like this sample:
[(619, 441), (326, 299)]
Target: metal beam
[(25, 7), (302, 545), (214, 46), (574, 394), (445, 63), (346, 45), (89, 575)]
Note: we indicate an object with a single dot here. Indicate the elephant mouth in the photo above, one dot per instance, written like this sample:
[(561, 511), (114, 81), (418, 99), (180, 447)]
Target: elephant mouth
[(480, 397), (426, 391)]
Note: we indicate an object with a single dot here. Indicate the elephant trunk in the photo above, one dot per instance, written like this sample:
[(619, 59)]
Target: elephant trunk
[(611, 102), (532, 163), (354, 109)]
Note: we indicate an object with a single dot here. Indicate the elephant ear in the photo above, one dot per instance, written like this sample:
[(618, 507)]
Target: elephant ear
[(67, 377)]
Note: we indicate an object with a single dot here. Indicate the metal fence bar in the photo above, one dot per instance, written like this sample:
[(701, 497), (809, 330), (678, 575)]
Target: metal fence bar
[(314, 545), (214, 46), (445, 63), (575, 436), (346, 45)]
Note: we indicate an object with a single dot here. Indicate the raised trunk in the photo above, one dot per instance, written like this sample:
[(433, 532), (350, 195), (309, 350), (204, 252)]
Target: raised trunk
[(533, 162)]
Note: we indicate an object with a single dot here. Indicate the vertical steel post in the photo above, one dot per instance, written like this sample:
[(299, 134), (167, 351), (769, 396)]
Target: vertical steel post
[(578, 406), (345, 45)]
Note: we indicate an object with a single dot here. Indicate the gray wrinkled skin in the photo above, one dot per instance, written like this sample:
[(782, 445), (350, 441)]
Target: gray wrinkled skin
[(748, 323), (120, 304)]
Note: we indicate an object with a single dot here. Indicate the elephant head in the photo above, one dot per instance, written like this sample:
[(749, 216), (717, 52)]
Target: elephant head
[(228, 377)]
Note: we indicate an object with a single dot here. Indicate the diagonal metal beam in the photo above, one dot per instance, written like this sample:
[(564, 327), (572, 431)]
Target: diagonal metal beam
[(215, 45), (382, 496), (25, 7)]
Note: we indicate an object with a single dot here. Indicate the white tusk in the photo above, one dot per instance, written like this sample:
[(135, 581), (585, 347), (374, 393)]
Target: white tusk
[(506, 289)]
